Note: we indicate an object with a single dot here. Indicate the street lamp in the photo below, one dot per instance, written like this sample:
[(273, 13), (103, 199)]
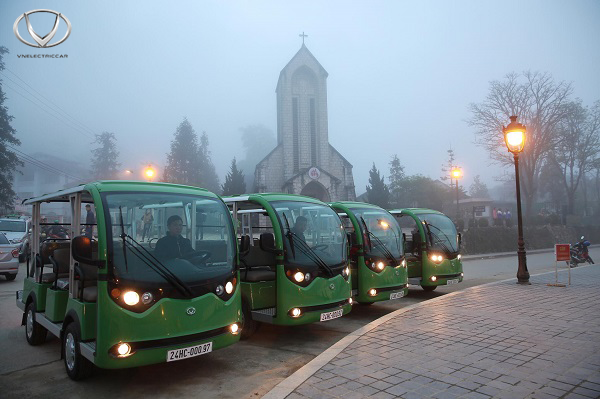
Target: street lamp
[(456, 174), (514, 137)]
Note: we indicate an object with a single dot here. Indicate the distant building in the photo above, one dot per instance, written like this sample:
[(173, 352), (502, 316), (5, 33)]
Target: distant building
[(303, 162)]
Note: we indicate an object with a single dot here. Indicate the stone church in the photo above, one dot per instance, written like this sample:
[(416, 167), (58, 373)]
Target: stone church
[(303, 162)]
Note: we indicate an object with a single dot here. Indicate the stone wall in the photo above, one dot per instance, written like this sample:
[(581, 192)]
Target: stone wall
[(481, 240)]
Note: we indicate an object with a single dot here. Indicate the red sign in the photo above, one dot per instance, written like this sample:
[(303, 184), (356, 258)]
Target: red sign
[(562, 251)]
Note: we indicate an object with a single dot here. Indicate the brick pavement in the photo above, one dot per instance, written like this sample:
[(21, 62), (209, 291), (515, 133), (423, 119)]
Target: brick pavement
[(500, 340)]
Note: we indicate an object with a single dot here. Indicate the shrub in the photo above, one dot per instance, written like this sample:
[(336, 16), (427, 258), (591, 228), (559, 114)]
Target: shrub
[(483, 222)]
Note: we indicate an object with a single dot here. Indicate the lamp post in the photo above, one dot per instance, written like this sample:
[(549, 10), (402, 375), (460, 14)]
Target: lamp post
[(457, 174), (514, 137)]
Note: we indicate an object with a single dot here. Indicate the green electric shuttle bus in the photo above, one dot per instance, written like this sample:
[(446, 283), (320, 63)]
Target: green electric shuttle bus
[(377, 263), (116, 301), (432, 247), (295, 268)]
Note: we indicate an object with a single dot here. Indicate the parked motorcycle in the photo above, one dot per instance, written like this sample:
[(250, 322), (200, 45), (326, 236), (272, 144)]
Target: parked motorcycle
[(580, 253)]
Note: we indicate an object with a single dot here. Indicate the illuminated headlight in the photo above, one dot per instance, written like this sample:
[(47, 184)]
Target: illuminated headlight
[(380, 265), (372, 292), (123, 349), (403, 264), (462, 274), (350, 300), (219, 290), (299, 277), (131, 298), (147, 298), (436, 258), (433, 278), (234, 328), (459, 256), (229, 287), (295, 312), (346, 272)]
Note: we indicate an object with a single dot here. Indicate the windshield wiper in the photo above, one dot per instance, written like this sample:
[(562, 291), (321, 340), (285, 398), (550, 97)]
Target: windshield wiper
[(380, 244), (439, 240)]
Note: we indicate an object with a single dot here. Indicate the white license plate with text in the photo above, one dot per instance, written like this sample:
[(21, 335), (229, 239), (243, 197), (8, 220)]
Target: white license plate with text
[(186, 353), (332, 315), (396, 295), (453, 281)]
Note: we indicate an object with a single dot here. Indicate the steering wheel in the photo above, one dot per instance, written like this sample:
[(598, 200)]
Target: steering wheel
[(151, 242), (197, 257), (320, 246)]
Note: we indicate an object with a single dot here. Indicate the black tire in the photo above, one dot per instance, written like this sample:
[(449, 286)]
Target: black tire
[(77, 367), (429, 288), (249, 326), (34, 332), (10, 277)]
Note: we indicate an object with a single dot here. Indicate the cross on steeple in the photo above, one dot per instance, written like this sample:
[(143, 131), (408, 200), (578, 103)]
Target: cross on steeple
[(303, 36)]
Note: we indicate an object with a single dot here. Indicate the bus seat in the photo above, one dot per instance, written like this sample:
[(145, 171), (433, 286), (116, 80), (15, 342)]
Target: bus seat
[(256, 275), (86, 282), (217, 249), (61, 256), (48, 248)]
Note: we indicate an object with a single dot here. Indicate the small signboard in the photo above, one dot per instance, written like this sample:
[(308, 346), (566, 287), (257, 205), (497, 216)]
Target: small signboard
[(563, 252), (314, 173)]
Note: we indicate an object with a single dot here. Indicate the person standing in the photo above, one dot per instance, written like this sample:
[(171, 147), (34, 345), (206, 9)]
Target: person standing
[(495, 216), (147, 219), (90, 221), (500, 217)]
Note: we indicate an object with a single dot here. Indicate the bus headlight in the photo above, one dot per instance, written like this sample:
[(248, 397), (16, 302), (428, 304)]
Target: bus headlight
[(346, 271), (403, 264), (299, 277), (123, 349), (380, 265), (459, 256), (229, 287), (372, 292), (436, 258), (147, 298), (131, 298), (307, 277), (295, 312), (219, 290), (234, 328), (433, 278), (350, 300)]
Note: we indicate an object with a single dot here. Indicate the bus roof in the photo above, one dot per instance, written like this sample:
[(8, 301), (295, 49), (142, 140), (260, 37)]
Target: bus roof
[(415, 211), (115, 185), (353, 204), (270, 197)]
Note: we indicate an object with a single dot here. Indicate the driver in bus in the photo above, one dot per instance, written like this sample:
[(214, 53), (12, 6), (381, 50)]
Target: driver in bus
[(173, 245), (300, 227)]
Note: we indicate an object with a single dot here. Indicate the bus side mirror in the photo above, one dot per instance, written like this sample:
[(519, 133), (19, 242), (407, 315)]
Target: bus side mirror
[(244, 245), (459, 239), (267, 242), (81, 248)]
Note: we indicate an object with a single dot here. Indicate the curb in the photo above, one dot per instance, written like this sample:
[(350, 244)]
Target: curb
[(288, 385), (513, 253)]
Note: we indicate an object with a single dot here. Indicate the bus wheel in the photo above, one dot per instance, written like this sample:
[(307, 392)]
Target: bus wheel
[(76, 365), (429, 288), (34, 332), (249, 326)]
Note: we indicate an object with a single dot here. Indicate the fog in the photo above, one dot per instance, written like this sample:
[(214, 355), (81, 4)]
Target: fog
[(401, 74)]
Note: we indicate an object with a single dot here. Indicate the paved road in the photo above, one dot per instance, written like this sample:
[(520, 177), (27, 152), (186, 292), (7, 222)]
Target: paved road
[(248, 369)]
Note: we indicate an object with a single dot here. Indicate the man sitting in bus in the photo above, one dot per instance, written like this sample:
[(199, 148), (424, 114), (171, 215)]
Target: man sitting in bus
[(173, 245), (300, 227)]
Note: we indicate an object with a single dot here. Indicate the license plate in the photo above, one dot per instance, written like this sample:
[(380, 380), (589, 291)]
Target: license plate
[(332, 315), (453, 281), (396, 295), (185, 353)]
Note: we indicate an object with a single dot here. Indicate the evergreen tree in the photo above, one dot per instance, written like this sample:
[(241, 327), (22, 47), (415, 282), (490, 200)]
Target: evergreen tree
[(208, 174), (8, 159), (478, 189), (104, 156), (378, 192), (234, 181), (183, 161), (396, 177)]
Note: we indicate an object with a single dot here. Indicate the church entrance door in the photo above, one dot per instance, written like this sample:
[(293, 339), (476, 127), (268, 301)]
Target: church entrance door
[(316, 190)]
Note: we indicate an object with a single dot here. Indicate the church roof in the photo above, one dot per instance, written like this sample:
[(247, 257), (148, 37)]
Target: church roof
[(303, 50)]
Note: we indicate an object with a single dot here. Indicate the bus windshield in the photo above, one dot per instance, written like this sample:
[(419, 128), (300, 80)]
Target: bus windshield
[(384, 234), (159, 235), (440, 232), (313, 234), (12, 225)]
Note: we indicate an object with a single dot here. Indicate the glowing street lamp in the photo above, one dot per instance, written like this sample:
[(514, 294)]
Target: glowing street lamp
[(514, 137), (149, 172)]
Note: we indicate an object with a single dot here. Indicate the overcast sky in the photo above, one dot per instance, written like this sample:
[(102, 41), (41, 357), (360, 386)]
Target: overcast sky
[(401, 73)]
